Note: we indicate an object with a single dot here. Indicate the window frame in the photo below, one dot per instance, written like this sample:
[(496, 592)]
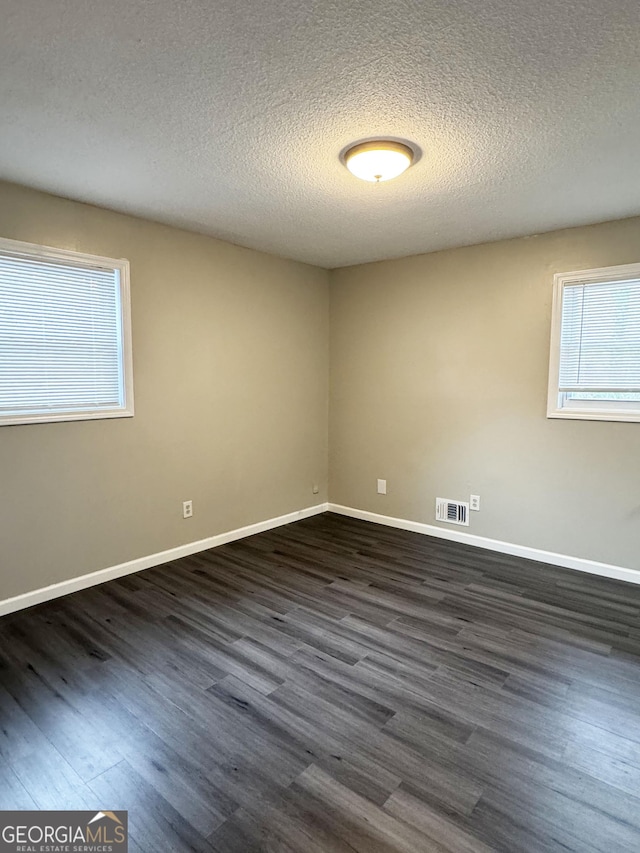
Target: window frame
[(591, 410), (37, 252)]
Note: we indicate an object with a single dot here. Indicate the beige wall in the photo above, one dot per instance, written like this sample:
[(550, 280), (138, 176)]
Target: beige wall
[(230, 351), (439, 382)]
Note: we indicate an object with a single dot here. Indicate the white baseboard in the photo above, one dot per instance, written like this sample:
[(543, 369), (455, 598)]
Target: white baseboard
[(603, 569), (37, 596)]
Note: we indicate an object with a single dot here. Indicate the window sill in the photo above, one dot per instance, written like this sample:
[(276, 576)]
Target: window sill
[(60, 417), (629, 416)]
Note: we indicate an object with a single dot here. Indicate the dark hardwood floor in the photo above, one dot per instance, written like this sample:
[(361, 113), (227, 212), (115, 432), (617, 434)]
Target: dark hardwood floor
[(329, 687)]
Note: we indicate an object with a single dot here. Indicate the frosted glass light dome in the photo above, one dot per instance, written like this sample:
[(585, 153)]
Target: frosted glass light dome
[(379, 160)]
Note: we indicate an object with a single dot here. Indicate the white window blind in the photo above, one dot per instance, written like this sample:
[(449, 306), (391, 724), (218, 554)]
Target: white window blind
[(600, 337), (595, 347), (64, 344)]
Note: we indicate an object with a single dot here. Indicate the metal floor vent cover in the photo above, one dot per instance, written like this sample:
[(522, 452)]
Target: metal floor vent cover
[(452, 512)]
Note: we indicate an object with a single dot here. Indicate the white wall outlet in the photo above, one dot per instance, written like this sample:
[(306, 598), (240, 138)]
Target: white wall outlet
[(187, 509), (474, 502), (315, 489), (382, 487)]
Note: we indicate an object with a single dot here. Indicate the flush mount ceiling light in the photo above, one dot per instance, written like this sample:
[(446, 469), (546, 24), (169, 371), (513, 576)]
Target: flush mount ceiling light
[(378, 160)]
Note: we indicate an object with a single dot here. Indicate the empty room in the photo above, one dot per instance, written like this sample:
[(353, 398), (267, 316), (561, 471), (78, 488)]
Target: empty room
[(320, 426)]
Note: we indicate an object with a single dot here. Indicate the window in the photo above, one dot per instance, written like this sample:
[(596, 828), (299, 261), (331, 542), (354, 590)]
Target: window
[(65, 335), (595, 345)]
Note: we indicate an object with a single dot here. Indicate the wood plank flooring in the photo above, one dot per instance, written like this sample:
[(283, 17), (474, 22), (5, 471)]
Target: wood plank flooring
[(329, 687)]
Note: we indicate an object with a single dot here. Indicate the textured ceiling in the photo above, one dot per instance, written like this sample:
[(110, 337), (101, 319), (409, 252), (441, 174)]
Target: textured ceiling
[(227, 117)]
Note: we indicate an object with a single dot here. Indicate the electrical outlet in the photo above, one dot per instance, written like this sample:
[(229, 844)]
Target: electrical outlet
[(187, 509), (474, 502), (382, 487), (315, 489)]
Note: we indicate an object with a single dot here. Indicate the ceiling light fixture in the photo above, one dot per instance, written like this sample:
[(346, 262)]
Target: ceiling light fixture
[(378, 160)]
